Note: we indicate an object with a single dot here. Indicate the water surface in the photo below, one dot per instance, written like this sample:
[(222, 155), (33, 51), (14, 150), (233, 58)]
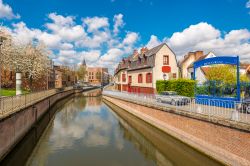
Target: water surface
[(86, 131)]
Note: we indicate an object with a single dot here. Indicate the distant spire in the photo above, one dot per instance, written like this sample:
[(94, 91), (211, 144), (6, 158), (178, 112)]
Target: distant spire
[(84, 62)]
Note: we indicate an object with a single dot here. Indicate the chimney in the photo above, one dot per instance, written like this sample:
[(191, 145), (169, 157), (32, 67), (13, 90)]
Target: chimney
[(135, 53), (191, 53), (198, 54), (144, 50)]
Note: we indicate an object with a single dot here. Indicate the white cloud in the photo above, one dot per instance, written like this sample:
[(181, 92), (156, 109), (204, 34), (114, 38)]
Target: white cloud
[(248, 4), (50, 40), (95, 23), (131, 38), (204, 36), (91, 56), (193, 35), (66, 46), (118, 23), (22, 34), (61, 20), (7, 12), (112, 55), (154, 41), (95, 40)]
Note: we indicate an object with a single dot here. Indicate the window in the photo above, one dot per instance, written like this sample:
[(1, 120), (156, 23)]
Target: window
[(123, 77), (174, 75), (165, 60), (139, 78), (130, 79), (149, 78)]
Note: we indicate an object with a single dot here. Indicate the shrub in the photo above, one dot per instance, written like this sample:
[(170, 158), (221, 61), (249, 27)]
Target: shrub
[(184, 87)]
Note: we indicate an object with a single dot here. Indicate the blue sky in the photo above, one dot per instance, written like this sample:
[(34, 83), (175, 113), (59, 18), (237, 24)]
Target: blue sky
[(104, 31)]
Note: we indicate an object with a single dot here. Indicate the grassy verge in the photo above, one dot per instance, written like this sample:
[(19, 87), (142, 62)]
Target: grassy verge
[(10, 92)]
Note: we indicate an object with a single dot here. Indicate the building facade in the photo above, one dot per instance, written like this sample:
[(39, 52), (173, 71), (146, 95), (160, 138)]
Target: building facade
[(186, 65), (139, 72), (97, 76), (64, 76)]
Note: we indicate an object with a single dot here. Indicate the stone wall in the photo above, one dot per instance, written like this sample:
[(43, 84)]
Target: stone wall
[(14, 127)]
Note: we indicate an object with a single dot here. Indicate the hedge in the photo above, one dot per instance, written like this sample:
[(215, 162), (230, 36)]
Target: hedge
[(184, 87)]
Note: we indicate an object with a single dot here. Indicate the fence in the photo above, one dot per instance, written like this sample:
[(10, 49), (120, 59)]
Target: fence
[(234, 111), (15, 103)]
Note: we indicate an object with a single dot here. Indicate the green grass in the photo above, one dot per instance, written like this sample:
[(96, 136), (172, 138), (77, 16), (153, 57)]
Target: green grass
[(10, 92)]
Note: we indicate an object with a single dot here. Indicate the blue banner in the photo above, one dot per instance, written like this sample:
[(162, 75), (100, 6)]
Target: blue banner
[(232, 60)]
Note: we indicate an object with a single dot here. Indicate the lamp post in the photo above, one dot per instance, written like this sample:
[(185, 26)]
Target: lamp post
[(164, 76), (2, 38)]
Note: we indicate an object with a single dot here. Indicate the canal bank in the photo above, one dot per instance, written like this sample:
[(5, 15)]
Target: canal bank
[(15, 126), (224, 144), (85, 130)]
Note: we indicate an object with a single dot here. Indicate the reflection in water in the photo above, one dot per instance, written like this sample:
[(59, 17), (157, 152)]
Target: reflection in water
[(85, 131)]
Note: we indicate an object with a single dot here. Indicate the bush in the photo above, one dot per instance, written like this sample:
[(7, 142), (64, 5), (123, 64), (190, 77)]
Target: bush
[(184, 87)]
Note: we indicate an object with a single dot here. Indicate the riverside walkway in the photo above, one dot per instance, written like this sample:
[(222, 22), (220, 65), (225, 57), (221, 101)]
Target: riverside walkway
[(222, 143)]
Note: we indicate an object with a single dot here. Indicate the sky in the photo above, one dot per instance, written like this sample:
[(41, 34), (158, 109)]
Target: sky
[(105, 31)]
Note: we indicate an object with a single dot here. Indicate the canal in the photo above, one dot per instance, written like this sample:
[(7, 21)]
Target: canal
[(86, 130)]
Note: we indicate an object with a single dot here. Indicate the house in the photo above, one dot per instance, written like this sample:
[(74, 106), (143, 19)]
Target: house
[(98, 76), (139, 72), (245, 68), (187, 69), (58, 77), (64, 76)]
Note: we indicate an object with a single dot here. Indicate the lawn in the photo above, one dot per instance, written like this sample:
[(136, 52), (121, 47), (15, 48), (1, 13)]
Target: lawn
[(10, 92)]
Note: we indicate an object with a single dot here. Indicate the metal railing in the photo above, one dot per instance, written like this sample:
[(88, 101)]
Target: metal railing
[(14, 103), (210, 107)]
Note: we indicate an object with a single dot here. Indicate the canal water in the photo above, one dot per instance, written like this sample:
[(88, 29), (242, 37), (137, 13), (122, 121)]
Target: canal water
[(89, 131)]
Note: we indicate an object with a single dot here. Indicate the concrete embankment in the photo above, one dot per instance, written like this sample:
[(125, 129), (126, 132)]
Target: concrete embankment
[(230, 146), (15, 126)]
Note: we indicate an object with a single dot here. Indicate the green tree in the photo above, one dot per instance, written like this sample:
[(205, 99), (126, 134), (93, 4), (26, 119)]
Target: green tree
[(81, 72), (225, 74)]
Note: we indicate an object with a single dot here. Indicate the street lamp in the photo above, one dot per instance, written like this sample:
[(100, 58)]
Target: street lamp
[(164, 76), (2, 38)]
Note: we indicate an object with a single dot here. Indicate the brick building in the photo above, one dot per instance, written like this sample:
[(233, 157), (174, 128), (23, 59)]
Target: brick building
[(97, 76), (64, 76)]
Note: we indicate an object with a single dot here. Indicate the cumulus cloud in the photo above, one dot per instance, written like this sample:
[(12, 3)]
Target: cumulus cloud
[(112, 55), (131, 38), (91, 56), (154, 41), (194, 34), (118, 23), (248, 4), (204, 36), (95, 23), (23, 34), (6, 11), (61, 20)]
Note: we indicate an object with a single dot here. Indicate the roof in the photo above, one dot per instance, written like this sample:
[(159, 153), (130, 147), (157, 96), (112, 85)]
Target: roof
[(205, 70), (154, 50), (124, 64), (244, 65), (200, 58), (84, 62)]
